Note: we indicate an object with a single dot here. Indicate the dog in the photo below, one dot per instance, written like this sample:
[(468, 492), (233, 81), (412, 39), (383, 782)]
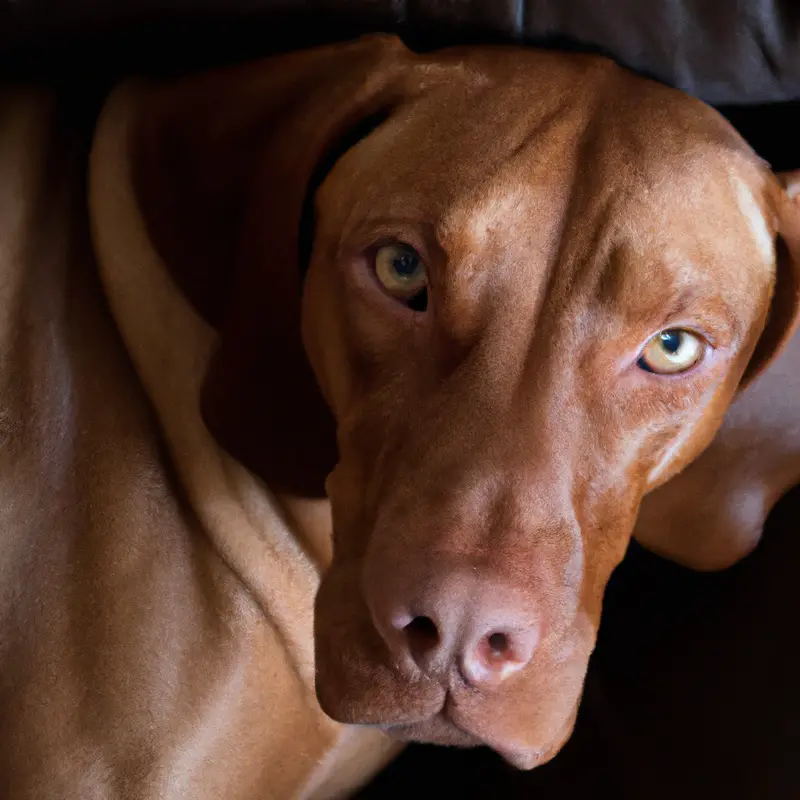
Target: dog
[(433, 327)]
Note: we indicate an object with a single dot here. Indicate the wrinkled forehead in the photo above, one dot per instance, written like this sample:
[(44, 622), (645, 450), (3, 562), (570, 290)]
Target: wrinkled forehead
[(519, 161)]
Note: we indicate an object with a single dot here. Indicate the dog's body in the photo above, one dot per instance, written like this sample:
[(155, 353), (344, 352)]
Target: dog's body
[(158, 598), (156, 601)]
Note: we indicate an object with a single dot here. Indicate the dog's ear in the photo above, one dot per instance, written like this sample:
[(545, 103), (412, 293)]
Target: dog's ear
[(225, 165), (784, 312)]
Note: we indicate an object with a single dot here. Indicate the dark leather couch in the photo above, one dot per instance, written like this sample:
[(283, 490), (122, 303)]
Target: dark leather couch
[(694, 690), (746, 51)]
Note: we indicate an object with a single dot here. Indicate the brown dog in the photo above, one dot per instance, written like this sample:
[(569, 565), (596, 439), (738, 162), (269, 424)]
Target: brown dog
[(532, 284), (495, 444)]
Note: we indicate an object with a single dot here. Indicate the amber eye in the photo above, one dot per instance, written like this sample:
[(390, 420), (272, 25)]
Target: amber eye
[(401, 271), (671, 351)]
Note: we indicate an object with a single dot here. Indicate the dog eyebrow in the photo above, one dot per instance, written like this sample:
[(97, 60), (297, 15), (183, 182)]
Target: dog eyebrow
[(715, 315), (662, 296)]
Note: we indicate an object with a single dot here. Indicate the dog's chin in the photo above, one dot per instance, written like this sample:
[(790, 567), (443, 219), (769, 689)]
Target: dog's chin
[(365, 694), (434, 730), (440, 730), (449, 726), (446, 723)]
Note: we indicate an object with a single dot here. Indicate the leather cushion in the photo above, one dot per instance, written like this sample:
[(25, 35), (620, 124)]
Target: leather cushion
[(743, 52)]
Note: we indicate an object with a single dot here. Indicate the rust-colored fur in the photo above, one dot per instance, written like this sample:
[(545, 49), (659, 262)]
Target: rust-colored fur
[(483, 461)]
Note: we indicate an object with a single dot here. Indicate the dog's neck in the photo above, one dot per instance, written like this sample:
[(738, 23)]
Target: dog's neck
[(277, 544)]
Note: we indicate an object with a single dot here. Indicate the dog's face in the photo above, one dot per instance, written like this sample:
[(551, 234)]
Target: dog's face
[(533, 289), (523, 319)]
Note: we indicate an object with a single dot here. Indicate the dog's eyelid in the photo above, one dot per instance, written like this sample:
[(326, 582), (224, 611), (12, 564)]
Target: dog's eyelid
[(700, 332), (713, 322), (413, 231), (717, 332)]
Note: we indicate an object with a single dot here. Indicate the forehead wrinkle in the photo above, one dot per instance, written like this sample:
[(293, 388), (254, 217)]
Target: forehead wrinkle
[(500, 231), (479, 221), (505, 184), (595, 206), (536, 188)]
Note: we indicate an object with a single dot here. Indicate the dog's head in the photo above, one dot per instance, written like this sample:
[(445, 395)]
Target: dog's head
[(487, 299)]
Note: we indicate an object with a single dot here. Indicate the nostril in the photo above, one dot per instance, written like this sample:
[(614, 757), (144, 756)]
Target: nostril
[(497, 656), (495, 651), (498, 645), (423, 636)]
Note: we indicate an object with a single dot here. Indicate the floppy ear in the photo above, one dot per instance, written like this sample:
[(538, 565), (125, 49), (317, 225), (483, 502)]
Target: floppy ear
[(712, 514), (225, 165), (784, 312)]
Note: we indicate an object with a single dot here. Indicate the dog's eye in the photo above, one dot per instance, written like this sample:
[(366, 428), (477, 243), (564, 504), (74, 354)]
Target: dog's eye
[(401, 271), (671, 351)]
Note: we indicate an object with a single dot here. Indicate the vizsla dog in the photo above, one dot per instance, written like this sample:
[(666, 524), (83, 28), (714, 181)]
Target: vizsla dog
[(428, 326)]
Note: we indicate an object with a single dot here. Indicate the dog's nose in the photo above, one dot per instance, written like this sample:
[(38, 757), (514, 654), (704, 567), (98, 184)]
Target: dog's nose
[(483, 633)]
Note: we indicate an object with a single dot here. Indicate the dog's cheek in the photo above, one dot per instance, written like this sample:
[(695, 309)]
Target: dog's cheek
[(352, 521), (693, 434)]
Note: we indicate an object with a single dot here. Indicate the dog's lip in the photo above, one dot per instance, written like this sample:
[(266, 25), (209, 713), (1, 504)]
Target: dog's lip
[(437, 728), (444, 727)]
